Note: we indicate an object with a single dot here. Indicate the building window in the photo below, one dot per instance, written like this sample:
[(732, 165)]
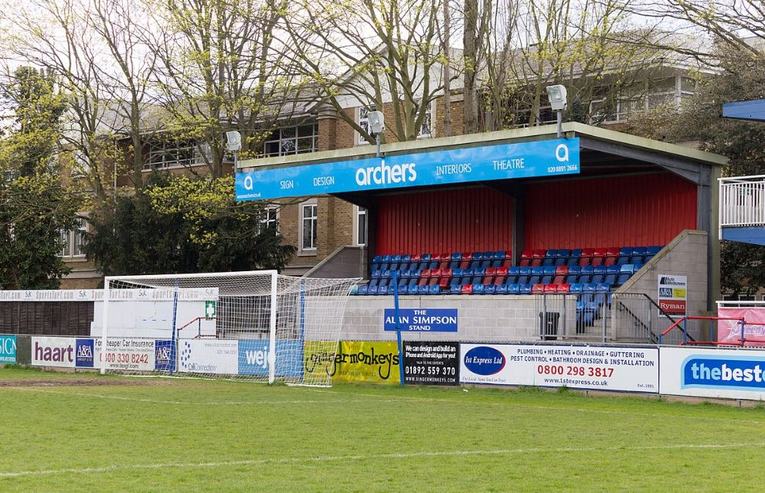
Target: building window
[(74, 240), (293, 139), (363, 121), (309, 220), (360, 226), (426, 129), (269, 218), (164, 154)]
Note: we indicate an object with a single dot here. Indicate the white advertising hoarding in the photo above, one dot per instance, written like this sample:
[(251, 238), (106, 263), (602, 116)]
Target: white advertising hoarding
[(716, 373), (54, 351), (125, 354), (217, 356), (580, 367)]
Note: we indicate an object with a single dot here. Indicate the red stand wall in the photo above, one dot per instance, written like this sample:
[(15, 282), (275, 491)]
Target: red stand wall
[(638, 210), (444, 221)]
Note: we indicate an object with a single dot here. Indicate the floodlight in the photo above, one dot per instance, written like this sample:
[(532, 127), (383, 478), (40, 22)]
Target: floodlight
[(233, 141), (557, 96), (376, 121)]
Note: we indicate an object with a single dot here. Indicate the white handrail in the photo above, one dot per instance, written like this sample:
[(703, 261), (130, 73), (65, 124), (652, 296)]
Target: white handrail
[(742, 201)]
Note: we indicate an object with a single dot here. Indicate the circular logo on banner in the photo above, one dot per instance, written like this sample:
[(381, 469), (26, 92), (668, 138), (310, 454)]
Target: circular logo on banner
[(484, 360)]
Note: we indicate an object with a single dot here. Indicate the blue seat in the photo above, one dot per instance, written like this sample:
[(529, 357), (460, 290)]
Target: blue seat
[(652, 250), (372, 290), (584, 279), (489, 289), (363, 289), (625, 251), (548, 271), (468, 272), (511, 279), (546, 279), (613, 269), (610, 279), (402, 290), (572, 279), (383, 283), (523, 280), (639, 251), (479, 256), (636, 259), (376, 273), (423, 290), (455, 289), (575, 288), (563, 253), (627, 269), (374, 282), (525, 289), (622, 278), (537, 271), (501, 289), (548, 261), (597, 278), (600, 269), (525, 271), (457, 272), (513, 288), (572, 261), (425, 257), (476, 279), (434, 289), (385, 273), (456, 256), (575, 269), (377, 259), (588, 270), (480, 271), (534, 280), (576, 253), (478, 288), (514, 271), (589, 288), (406, 258), (622, 260), (638, 266)]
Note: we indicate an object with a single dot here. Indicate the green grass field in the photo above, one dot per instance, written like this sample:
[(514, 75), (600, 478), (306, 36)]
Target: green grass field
[(66, 432)]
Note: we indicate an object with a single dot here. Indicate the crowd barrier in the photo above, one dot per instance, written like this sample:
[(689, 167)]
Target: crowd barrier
[(667, 370)]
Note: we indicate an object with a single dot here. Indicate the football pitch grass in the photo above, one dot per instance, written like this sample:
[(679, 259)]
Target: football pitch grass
[(80, 432)]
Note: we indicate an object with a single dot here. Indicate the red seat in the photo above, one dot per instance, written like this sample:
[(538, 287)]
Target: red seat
[(467, 289), (584, 261), (527, 254), (488, 280), (444, 282), (612, 252), (435, 272), (600, 252), (563, 288), (538, 288), (596, 261), (491, 271), (588, 252), (551, 288), (502, 271), (561, 270), (610, 261), (425, 273), (499, 280), (467, 256), (433, 281), (559, 279), (416, 258), (539, 253)]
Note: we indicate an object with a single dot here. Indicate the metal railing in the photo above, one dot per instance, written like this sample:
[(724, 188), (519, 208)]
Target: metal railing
[(599, 316), (742, 201)]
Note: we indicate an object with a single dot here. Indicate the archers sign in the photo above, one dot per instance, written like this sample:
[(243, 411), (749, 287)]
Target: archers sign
[(422, 319)]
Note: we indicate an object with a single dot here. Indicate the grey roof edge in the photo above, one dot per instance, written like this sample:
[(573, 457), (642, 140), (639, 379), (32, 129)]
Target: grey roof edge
[(571, 129)]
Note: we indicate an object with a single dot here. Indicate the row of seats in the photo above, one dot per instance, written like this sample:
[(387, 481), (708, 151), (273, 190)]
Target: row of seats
[(480, 288), (461, 273)]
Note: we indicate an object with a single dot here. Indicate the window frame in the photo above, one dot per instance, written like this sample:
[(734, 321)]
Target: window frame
[(358, 212), (313, 247)]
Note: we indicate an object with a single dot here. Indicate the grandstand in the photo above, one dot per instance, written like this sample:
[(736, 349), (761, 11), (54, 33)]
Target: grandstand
[(514, 216)]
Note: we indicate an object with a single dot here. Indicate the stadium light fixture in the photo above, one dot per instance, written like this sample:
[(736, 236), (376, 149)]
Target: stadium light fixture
[(558, 102), (376, 121), (234, 144)]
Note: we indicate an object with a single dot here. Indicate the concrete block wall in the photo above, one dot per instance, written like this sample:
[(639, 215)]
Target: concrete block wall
[(686, 255)]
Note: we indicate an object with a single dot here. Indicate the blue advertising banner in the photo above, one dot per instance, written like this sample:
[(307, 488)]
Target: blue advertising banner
[(422, 319), (470, 164), (164, 355), (253, 358), (7, 350), (84, 351)]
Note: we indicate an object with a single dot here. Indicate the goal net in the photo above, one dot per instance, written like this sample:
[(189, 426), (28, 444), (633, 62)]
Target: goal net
[(257, 325)]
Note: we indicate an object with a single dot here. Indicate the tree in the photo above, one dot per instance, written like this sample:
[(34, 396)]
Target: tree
[(35, 207), (222, 66), (176, 225), (590, 46), (372, 53), (741, 77)]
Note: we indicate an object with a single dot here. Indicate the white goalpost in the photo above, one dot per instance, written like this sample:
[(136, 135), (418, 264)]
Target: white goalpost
[(257, 325)]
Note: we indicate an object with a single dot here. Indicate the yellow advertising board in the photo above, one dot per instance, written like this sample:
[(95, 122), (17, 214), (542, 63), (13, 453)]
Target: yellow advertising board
[(356, 361)]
